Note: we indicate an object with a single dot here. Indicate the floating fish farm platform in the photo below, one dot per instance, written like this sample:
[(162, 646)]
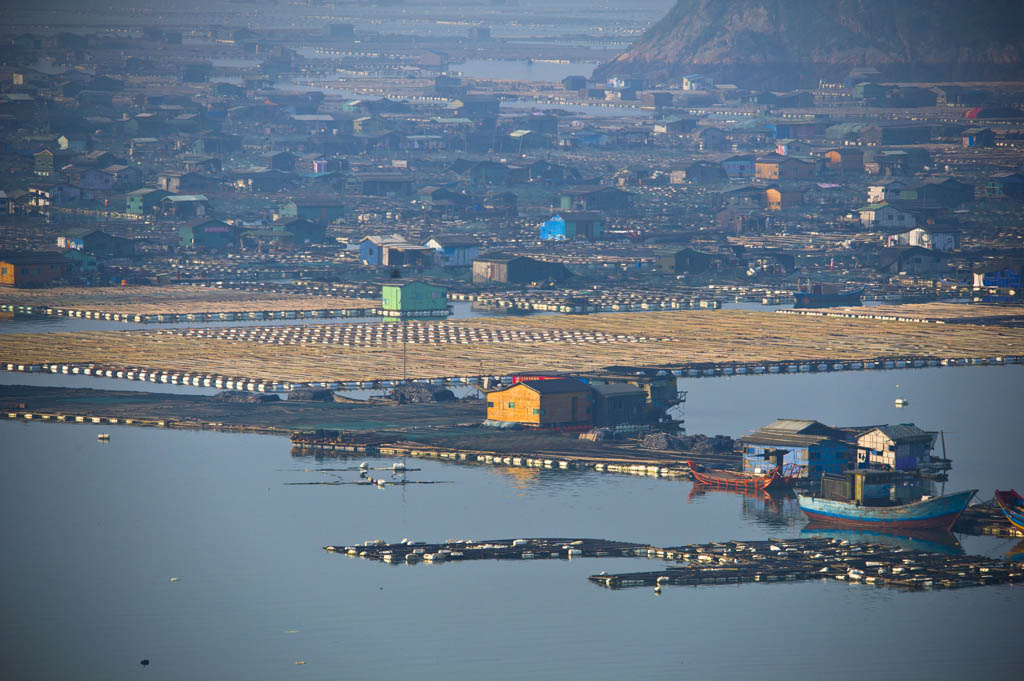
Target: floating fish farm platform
[(733, 562)]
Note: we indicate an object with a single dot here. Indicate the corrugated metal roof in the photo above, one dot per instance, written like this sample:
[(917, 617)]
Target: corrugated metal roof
[(616, 389), (552, 386), (789, 425), (904, 431)]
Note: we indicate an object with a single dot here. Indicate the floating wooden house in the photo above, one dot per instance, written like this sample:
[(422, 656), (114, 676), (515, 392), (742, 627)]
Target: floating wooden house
[(552, 403)]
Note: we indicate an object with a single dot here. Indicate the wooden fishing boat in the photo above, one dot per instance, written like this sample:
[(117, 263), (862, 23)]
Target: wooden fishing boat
[(938, 512), (1012, 506), (735, 480)]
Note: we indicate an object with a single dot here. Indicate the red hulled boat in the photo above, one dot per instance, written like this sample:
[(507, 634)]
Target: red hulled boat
[(744, 482)]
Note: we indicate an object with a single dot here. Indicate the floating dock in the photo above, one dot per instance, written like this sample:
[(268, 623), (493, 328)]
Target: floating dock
[(734, 562)]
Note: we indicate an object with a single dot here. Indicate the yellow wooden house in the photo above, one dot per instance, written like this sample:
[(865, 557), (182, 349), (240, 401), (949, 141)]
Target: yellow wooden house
[(551, 403)]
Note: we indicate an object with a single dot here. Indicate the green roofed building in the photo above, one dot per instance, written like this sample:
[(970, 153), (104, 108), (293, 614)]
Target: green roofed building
[(414, 298)]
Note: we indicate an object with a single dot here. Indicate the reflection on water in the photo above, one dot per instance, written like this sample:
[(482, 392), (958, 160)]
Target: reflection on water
[(778, 508), (935, 541)]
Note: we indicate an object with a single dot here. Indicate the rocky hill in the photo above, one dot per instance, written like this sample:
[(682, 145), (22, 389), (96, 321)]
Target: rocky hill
[(768, 42)]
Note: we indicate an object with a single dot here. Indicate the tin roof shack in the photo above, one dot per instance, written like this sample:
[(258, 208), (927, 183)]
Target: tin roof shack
[(412, 298), (385, 185), (25, 269), (791, 147), (886, 135), (670, 125), (144, 201), (475, 106), (516, 269), (976, 138), (847, 160), (280, 160), (184, 205), (711, 139), (43, 163), (705, 172), (882, 215), (775, 167), (303, 231), (660, 388), (912, 260), (884, 191), (208, 164), (949, 193), (889, 162), (618, 403), (683, 260), (96, 242), (176, 182), (778, 197), (742, 166), (409, 255), (1004, 275), (209, 234), (903, 447), (935, 238), (568, 225), (324, 212), (454, 251), (371, 248), (552, 403), (574, 83), (594, 199), (808, 448), (1005, 186)]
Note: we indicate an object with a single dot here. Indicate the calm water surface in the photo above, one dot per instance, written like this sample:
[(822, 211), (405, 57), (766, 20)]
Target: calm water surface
[(94, 532)]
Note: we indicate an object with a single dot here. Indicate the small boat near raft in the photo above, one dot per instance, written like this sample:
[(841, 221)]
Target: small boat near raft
[(1012, 506), (735, 480)]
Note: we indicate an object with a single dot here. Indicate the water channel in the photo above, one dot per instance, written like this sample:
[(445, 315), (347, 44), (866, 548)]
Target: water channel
[(94, 532)]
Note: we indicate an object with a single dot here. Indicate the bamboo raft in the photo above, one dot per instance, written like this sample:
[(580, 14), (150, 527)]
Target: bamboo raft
[(734, 562), (173, 303), (698, 341), (933, 313)]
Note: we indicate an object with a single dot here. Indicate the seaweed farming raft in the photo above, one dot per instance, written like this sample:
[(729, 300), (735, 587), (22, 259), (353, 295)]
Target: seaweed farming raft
[(733, 562), (492, 549), (808, 559)]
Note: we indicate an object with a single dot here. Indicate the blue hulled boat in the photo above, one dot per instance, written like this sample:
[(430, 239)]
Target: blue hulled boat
[(1012, 506), (938, 512)]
